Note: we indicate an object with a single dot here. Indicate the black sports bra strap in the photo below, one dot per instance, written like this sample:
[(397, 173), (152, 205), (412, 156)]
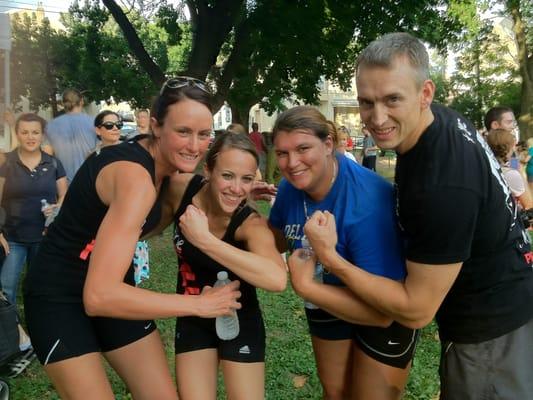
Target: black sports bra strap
[(195, 184), (237, 219)]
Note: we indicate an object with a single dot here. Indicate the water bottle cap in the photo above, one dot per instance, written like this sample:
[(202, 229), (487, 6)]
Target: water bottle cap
[(43, 201), (222, 275)]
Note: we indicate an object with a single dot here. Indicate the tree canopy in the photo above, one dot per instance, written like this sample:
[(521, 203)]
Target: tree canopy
[(269, 50)]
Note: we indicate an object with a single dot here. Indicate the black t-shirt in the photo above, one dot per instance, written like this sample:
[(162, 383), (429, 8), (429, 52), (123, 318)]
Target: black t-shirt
[(197, 269), (454, 206), (59, 269), (23, 191)]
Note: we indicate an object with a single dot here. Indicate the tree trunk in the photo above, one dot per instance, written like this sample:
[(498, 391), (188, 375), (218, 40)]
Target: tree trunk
[(211, 26), (240, 113), (53, 103), (152, 69), (525, 59)]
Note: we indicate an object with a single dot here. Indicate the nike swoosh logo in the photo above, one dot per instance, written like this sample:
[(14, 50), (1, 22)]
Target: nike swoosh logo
[(391, 343), (148, 326)]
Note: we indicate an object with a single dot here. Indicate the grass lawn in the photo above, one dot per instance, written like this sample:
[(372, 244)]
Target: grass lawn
[(290, 368)]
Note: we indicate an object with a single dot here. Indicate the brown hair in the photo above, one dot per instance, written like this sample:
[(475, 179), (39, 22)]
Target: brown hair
[(229, 140), (30, 117), (71, 98), (236, 128), (302, 117), (501, 142), (169, 96)]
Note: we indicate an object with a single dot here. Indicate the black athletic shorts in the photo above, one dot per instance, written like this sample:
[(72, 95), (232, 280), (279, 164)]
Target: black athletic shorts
[(194, 333), (394, 345), (63, 330)]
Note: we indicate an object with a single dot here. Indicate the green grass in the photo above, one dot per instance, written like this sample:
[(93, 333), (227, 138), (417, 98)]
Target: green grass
[(289, 353)]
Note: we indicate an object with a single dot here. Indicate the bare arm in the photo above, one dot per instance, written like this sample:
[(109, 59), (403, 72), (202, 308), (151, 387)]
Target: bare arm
[(261, 266), (127, 189), (339, 301), (525, 199), (412, 303), (61, 187), (3, 241)]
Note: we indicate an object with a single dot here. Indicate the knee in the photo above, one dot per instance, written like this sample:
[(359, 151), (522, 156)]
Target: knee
[(334, 391)]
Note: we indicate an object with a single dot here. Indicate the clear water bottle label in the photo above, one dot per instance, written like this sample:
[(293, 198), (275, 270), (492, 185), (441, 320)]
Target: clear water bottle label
[(226, 326), (318, 277)]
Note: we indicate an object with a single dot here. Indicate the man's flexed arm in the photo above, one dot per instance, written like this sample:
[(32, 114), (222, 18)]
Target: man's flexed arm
[(412, 303)]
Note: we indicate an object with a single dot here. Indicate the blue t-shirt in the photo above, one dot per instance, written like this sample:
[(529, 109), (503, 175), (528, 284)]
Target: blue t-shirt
[(73, 138), (23, 191), (363, 205)]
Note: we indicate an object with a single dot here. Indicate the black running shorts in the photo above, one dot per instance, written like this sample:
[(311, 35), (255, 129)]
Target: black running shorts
[(394, 345), (63, 330), (193, 333)]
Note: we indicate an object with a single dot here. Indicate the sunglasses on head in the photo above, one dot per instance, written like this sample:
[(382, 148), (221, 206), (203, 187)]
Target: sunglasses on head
[(109, 125), (182, 81)]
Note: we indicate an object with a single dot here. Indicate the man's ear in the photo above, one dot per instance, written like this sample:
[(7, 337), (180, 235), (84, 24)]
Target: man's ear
[(494, 125), (427, 93)]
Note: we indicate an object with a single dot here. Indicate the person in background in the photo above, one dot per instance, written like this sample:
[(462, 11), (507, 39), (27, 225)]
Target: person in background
[(217, 230), (142, 119), (80, 298), (10, 119), (349, 141), (360, 353), (236, 128), (339, 137), (370, 151), (107, 125), (27, 175), (260, 146), (502, 117), (502, 144), (72, 134)]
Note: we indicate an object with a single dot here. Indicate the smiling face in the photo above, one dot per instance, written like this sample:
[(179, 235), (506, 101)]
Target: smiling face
[(305, 161), (29, 135), (393, 107), (108, 131), (184, 135), (231, 179)]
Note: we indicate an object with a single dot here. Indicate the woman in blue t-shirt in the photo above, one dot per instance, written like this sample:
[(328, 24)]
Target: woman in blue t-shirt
[(353, 359), (27, 175)]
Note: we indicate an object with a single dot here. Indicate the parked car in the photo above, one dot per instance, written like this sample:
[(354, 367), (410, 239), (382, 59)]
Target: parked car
[(129, 130), (358, 142)]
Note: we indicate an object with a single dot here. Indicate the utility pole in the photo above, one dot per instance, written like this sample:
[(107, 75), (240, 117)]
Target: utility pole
[(5, 45)]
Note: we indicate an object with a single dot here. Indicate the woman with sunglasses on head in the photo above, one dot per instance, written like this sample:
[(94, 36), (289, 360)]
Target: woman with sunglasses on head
[(217, 230), (81, 301), (359, 352), (107, 125)]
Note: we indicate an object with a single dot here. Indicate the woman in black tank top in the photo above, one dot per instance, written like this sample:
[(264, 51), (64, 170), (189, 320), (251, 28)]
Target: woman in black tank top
[(80, 298), (217, 231)]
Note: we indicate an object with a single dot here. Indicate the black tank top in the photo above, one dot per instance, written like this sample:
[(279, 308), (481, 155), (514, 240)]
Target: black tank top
[(59, 269), (196, 269)]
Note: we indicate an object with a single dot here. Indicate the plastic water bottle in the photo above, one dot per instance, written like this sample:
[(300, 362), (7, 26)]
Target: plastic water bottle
[(50, 218), (319, 269), (227, 326)]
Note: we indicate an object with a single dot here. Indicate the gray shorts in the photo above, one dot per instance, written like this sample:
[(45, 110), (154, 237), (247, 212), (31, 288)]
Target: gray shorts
[(498, 369)]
